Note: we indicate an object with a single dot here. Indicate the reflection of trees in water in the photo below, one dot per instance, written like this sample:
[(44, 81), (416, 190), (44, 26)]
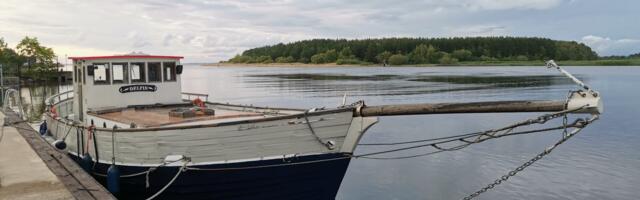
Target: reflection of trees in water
[(388, 84), (500, 81)]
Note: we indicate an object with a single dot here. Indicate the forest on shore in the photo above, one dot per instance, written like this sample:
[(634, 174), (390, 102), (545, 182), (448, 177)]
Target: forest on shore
[(402, 51), (29, 59)]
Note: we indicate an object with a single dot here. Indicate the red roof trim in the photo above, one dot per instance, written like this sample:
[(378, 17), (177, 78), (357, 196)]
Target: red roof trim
[(123, 56)]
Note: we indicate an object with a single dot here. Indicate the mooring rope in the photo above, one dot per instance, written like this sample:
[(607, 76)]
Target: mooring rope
[(151, 169), (182, 169), (347, 156), (113, 145)]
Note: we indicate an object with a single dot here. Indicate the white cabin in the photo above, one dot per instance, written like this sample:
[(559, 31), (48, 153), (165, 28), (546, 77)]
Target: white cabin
[(103, 82)]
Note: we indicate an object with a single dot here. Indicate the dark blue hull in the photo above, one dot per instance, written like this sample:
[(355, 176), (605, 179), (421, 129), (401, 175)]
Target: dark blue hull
[(306, 180)]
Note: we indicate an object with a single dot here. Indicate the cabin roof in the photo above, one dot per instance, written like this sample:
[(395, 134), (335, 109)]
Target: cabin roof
[(123, 57)]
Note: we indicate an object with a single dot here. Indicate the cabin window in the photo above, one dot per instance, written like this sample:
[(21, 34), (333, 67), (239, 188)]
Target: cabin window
[(79, 74), (76, 72), (101, 73), (155, 72), (169, 71), (120, 72), (137, 72)]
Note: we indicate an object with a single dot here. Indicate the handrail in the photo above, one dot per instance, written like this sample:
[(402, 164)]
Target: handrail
[(51, 100), (5, 103)]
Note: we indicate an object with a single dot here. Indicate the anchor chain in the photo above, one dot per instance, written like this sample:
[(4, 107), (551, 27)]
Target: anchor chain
[(507, 176), (566, 136)]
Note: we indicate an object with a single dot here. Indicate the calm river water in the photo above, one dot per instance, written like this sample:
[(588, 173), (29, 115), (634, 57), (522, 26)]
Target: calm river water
[(602, 162)]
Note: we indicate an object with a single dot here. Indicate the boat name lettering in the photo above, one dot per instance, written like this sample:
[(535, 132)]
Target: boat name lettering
[(138, 88)]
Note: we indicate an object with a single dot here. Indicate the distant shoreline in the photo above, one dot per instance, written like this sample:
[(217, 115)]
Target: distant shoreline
[(285, 65), (621, 62)]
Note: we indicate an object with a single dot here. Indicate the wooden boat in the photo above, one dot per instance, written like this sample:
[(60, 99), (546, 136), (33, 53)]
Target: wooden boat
[(126, 115)]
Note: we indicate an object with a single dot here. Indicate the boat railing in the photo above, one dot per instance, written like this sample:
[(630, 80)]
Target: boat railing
[(191, 96), (12, 100), (63, 107), (60, 97)]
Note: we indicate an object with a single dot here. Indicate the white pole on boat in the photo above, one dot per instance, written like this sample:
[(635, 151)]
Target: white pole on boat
[(344, 99), (552, 64)]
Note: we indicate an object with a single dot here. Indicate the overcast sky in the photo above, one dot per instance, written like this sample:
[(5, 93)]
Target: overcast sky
[(213, 30)]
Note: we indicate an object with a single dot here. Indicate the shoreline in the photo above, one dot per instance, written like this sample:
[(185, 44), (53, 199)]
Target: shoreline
[(283, 65), (462, 64)]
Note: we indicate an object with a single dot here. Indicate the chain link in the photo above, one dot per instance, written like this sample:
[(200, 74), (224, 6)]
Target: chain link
[(507, 176), (512, 173), (565, 120)]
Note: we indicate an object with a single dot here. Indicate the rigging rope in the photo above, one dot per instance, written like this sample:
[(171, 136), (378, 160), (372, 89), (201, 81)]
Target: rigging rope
[(441, 149), (538, 120), (489, 135), (479, 137), (313, 132)]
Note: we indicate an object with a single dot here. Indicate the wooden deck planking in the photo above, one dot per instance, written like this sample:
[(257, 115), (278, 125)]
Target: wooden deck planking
[(156, 117)]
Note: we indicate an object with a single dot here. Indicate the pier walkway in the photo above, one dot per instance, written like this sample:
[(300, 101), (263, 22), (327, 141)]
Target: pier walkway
[(32, 169)]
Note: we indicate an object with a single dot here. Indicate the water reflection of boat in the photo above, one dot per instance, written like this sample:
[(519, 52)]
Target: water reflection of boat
[(127, 122)]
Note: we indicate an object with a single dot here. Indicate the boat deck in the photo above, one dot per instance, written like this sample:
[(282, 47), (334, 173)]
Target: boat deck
[(157, 117)]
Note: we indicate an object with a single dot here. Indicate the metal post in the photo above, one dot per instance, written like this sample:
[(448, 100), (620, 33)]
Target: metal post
[(552, 64), (1, 84)]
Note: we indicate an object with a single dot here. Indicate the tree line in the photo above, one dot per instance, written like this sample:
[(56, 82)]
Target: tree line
[(28, 59), (398, 51)]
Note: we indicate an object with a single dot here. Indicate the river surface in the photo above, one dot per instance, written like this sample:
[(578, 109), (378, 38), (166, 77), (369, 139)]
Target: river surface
[(602, 162)]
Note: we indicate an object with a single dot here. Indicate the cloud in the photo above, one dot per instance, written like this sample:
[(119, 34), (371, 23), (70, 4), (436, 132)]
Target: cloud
[(168, 39), (606, 46), (510, 4), (138, 40)]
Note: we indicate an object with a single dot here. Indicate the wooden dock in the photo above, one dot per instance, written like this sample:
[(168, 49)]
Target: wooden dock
[(30, 168)]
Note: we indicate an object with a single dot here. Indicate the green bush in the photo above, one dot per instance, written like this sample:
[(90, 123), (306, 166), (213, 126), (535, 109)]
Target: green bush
[(462, 54), (447, 60), (613, 62), (487, 58), (383, 57), (348, 61), (319, 58), (241, 59), (267, 61), (522, 58), (332, 55), (263, 59), (282, 59), (398, 59), (303, 60)]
